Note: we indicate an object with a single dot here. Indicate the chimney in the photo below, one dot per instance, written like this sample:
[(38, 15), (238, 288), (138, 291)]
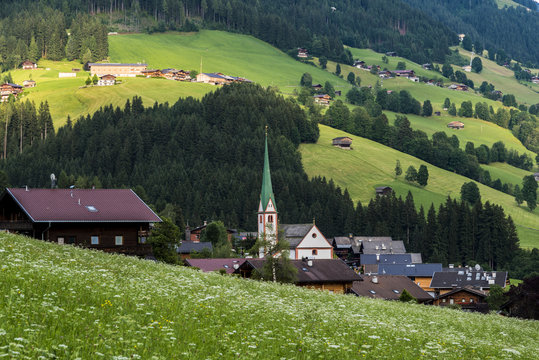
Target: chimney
[(374, 280), (309, 263), (205, 223)]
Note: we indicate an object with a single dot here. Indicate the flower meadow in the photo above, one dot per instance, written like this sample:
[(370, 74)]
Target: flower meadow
[(64, 302)]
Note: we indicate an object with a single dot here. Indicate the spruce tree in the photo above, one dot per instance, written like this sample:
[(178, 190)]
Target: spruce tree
[(422, 175), (529, 191), (427, 108), (398, 169)]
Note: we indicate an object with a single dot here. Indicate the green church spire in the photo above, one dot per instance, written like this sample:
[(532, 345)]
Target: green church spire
[(267, 191)]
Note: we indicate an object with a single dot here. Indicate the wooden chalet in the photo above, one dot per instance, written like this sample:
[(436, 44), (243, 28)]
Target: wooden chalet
[(8, 89), (322, 99), (343, 142), (322, 274), (389, 287), (458, 87), (117, 69), (195, 234), (427, 66), (303, 53), (359, 64), (404, 73), (391, 53), (154, 73), (106, 80), (455, 125), (29, 83), (383, 190), (535, 79), (467, 298), (28, 65), (112, 220), (385, 74)]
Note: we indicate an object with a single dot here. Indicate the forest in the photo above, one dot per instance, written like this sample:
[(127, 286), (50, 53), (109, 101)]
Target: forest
[(204, 159), (316, 25), (509, 32)]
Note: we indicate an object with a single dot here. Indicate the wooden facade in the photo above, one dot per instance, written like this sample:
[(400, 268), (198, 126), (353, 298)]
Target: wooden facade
[(467, 299), (28, 65), (8, 89), (455, 125), (118, 70)]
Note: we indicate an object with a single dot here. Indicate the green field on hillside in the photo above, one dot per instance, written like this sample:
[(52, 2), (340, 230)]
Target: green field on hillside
[(506, 173), (64, 302), (219, 51), (371, 164)]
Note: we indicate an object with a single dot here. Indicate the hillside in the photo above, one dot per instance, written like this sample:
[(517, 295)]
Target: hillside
[(67, 302), (371, 164)]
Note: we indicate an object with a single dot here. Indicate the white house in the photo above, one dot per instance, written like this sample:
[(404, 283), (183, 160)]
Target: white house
[(307, 241), (106, 80)]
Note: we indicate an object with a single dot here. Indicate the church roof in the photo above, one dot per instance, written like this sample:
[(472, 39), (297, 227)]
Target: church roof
[(267, 191)]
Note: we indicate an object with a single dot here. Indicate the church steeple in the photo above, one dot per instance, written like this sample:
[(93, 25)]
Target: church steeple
[(267, 191), (267, 210)]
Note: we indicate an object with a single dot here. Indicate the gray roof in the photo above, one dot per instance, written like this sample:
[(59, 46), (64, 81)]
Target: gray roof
[(424, 270), (321, 271), (342, 242), (188, 247), (416, 258), (294, 233), (371, 259), (462, 278), (382, 245), (388, 287)]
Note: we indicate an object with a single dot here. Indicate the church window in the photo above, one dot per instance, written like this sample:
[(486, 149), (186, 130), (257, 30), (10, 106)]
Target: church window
[(260, 218), (314, 235), (270, 218), (315, 252)]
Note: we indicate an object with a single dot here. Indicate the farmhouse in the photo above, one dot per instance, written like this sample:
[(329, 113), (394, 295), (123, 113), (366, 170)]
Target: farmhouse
[(28, 65), (112, 220), (195, 234), (389, 287), (106, 80), (8, 89), (211, 78), (359, 64), (445, 281), (458, 87), (29, 83), (187, 248), (391, 53), (427, 66), (343, 142), (455, 125), (421, 274), (404, 73), (322, 99), (116, 69), (383, 190), (208, 265), (322, 274), (467, 298), (317, 87), (303, 53), (467, 68), (386, 74), (535, 79), (151, 73)]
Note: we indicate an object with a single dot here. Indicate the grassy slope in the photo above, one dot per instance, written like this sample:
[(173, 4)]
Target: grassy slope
[(503, 79), (506, 173), (65, 302), (371, 164)]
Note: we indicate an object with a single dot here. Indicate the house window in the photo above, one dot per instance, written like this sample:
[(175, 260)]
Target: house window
[(260, 218), (142, 239), (60, 240), (315, 252), (463, 300), (471, 300), (443, 300), (451, 301), (71, 239), (94, 240), (119, 240)]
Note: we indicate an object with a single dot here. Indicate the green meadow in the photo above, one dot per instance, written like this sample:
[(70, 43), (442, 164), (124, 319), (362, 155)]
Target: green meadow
[(64, 302), (371, 164), (506, 173)]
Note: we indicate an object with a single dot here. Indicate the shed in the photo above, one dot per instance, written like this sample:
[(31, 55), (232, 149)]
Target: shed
[(383, 190), (455, 125), (343, 142)]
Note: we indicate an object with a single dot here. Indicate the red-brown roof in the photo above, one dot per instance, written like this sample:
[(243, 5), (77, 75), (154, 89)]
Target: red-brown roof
[(82, 205), (208, 265)]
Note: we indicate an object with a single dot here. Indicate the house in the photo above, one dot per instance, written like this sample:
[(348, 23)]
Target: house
[(187, 248), (413, 78), (467, 68), (106, 80), (467, 298), (343, 142), (461, 37), (29, 83), (151, 73), (338, 92), (421, 274), (211, 78), (458, 87), (67, 74), (28, 65), (445, 281), (322, 99), (369, 262), (303, 53), (383, 190), (322, 274), (182, 75), (535, 79), (536, 176), (385, 74), (306, 240), (404, 73), (523, 299), (317, 87), (112, 220), (208, 265), (380, 245), (116, 69), (455, 125), (8, 89), (195, 234), (349, 248), (391, 53), (389, 287), (427, 66), (359, 64)]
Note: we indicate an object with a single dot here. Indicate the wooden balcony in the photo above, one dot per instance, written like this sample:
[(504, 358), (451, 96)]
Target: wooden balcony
[(16, 225)]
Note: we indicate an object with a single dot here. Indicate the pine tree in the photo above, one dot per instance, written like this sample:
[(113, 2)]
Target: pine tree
[(423, 175), (33, 51), (427, 108), (447, 103), (398, 169), (338, 69), (529, 191)]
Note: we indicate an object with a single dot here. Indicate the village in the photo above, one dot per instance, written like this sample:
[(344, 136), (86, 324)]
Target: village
[(118, 221)]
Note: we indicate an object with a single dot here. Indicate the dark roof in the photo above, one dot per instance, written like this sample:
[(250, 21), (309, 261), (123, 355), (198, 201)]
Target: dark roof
[(13, 85), (321, 271), (294, 233), (188, 247), (342, 242), (208, 265), (462, 278), (115, 64), (424, 270), (466, 289), (382, 245), (385, 259), (388, 287), (82, 205)]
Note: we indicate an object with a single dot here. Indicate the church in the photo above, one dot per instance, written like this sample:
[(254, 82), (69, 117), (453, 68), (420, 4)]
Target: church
[(306, 240)]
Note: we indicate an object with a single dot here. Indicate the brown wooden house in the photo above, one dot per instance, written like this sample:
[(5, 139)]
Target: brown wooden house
[(322, 274), (343, 142), (8, 89), (455, 125), (29, 83), (28, 65), (383, 190), (389, 287), (112, 220), (195, 234), (467, 298)]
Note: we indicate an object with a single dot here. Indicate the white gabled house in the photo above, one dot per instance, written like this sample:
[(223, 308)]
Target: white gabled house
[(307, 241)]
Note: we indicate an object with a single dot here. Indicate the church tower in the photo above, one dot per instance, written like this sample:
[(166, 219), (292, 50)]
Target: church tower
[(267, 210)]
